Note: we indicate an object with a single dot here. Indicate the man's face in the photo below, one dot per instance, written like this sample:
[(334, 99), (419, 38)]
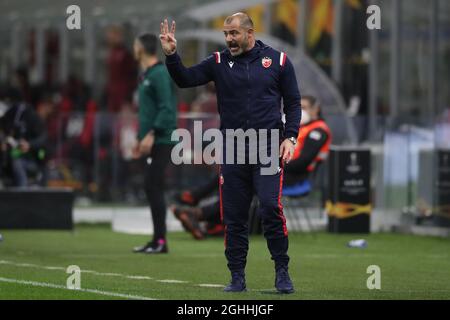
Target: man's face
[(309, 112), (114, 37), (137, 49), (236, 37), (45, 109)]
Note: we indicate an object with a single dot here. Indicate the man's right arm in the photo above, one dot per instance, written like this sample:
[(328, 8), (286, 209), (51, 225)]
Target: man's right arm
[(184, 77), (197, 75)]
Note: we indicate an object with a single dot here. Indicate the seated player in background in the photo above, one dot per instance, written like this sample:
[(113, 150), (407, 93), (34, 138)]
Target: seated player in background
[(313, 144), (200, 220), (24, 138)]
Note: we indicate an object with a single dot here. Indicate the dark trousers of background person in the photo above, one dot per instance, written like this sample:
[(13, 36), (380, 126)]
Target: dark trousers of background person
[(206, 189), (156, 165), (22, 167)]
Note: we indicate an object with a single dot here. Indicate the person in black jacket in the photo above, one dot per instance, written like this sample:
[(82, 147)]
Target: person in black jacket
[(251, 80), (24, 139)]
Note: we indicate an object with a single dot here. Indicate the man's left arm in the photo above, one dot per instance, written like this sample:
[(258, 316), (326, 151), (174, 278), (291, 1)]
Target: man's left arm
[(291, 100), (164, 97)]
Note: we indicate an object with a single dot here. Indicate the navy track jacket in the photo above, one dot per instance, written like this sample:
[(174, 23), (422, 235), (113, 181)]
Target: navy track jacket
[(249, 87)]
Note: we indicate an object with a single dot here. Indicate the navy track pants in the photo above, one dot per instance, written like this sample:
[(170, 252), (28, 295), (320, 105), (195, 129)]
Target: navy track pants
[(238, 183)]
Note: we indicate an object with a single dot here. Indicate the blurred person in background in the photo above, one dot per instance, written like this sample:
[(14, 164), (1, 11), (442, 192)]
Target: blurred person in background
[(46, 109), (121, 80), (157, 120), (206, 101), (75, 94), (3, 105), (200, 220), (25, 138), (206, 104), (313, 144), (129, 168), (78, 125), (21, 81)]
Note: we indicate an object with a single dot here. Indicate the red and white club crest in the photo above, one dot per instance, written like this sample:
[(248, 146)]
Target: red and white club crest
[(266, 62)]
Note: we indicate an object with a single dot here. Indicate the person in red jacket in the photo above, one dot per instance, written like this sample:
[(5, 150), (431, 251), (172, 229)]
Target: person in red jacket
[(122, 72), (313, 143)]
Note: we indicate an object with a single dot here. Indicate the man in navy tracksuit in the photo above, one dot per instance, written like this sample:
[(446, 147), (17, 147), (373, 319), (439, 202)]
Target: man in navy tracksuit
[(251, 78)]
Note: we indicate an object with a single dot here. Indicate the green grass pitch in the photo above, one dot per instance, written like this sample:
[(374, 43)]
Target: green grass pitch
[(33, 266)]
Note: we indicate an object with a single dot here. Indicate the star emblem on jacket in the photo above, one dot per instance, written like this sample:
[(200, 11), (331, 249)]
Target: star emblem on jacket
[(266, 62)]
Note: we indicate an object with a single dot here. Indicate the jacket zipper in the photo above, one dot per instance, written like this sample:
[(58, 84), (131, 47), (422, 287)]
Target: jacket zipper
[(248, 94)]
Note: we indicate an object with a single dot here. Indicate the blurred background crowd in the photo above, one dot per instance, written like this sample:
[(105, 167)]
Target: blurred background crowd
[(384, 89)]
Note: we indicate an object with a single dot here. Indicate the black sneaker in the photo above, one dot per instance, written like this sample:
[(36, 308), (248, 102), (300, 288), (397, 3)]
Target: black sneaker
[(283, 282), (237, 283), (143, 248), (159, 246)]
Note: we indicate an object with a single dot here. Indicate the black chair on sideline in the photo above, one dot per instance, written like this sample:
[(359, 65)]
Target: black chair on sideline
[(297, 198)]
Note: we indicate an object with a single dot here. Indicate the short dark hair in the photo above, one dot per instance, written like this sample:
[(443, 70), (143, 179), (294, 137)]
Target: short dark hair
[(314, 102), (149, 43), (14, 95), (311, 99), (244, 20)]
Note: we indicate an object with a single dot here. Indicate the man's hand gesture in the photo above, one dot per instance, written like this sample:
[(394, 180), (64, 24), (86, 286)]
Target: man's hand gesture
[(168, 41), (287, 150)]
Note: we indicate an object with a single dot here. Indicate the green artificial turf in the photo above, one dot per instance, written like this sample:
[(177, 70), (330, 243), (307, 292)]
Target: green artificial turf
[(321, 267)]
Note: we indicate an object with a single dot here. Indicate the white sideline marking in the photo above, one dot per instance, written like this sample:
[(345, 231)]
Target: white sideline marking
[(105, 274), (139, 277), (171, 281), (56, 286), (108, 274), (210, 285), (30, 265), (54, 268)]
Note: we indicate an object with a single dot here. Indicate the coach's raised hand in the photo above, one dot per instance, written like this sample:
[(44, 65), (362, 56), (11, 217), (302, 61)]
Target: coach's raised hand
[(168, 41)]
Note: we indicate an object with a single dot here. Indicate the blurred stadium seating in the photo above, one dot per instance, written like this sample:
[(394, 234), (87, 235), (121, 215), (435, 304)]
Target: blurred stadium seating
[(386, 90)]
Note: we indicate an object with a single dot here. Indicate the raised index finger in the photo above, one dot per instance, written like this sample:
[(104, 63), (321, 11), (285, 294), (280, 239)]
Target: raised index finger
[(173, 27), (166, 26)]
